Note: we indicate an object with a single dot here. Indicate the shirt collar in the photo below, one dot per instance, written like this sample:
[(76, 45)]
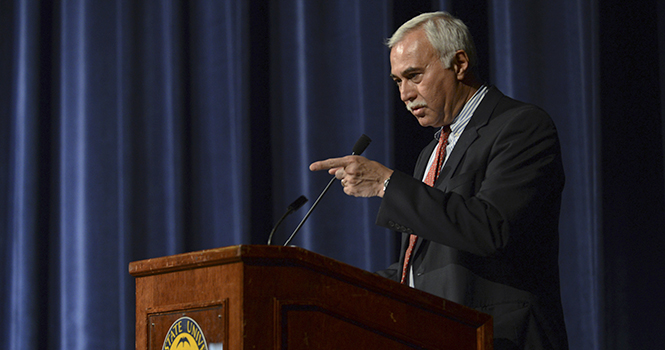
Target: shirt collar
[(462, 119)]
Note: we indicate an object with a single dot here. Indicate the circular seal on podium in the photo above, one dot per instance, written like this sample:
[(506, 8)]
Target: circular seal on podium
[(185, 334)]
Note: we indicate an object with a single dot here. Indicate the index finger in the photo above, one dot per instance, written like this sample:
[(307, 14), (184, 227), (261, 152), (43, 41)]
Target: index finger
[(329, 164)]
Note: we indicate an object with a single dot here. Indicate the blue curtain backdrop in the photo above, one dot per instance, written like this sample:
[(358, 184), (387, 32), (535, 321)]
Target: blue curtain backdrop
[(137, 129)]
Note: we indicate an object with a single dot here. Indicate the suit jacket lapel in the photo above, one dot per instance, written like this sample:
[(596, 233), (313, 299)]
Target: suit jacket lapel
[(479, 119), (418, 173), (421, 164)]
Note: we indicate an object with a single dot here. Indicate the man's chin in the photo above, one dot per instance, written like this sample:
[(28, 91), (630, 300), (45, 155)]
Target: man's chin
[(424, 122)]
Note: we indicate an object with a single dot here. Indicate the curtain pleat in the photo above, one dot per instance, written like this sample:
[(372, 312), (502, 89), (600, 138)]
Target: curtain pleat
[(21, 217)]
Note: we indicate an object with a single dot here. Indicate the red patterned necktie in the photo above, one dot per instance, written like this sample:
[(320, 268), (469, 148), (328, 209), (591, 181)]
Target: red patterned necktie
[(431, 177)]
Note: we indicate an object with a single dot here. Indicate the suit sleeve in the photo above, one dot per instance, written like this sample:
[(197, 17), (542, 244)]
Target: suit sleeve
[(393, 272), (507, 187)]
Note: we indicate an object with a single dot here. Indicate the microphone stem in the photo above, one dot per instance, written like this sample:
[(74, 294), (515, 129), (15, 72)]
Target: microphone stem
[(309, 212), (358, 149), (272, 233)]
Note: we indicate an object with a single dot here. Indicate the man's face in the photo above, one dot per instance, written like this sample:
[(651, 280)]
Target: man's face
[(427, 88)]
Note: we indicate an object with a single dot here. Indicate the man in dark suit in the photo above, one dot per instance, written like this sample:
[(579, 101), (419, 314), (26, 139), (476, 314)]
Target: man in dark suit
[(480, 215)]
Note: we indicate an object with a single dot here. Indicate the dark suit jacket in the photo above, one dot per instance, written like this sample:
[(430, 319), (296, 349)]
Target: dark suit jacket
[(488, 229)]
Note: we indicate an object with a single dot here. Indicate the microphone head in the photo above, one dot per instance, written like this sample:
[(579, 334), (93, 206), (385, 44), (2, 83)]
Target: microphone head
[(298, 203), (361, 144)]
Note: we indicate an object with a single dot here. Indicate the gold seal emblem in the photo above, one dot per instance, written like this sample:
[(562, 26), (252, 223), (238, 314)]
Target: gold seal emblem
[(185, 334)]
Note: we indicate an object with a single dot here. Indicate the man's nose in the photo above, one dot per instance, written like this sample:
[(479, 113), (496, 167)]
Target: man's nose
[(407, 91)]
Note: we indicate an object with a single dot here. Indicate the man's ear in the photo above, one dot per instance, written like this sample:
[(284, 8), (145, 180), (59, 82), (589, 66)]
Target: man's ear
[(460, 64)]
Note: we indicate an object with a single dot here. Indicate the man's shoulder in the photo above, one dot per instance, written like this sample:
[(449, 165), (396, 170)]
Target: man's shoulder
[(503, 103)]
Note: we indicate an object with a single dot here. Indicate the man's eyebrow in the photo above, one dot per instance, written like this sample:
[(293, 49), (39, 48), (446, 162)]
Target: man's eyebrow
[(406, 72), (410, 70)]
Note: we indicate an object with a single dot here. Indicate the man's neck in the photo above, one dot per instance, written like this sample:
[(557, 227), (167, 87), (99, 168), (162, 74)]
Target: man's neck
[(468, 88)]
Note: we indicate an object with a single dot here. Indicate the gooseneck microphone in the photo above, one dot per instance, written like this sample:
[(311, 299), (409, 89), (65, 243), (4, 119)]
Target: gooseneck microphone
[(292, 208), (358, 149)]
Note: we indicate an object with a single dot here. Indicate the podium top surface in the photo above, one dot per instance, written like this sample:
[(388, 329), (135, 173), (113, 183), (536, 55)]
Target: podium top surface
[(251, 254)]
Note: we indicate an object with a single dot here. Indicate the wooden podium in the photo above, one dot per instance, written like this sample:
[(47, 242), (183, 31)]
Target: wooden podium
[(273, 297)]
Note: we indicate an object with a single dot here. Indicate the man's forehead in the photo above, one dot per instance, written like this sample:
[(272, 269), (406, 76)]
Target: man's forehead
[(411, 52)]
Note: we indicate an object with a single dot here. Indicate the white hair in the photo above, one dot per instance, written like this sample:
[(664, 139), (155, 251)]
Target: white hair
[(446, 33)]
